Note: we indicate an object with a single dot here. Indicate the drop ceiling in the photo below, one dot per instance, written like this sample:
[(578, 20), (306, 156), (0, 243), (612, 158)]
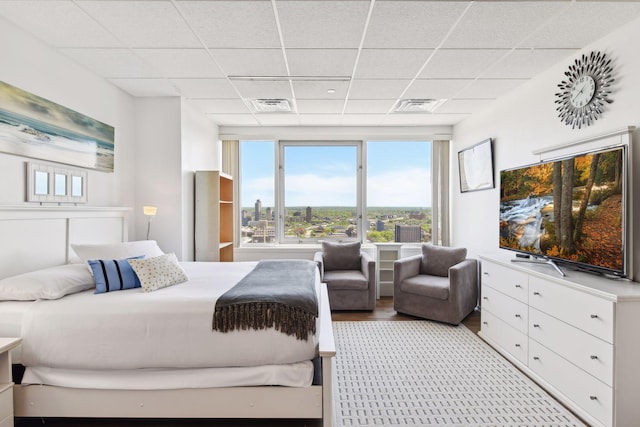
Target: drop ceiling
[(335, 62)]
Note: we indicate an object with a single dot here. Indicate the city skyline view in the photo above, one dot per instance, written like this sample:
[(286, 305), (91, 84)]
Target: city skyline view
[(398, 175)]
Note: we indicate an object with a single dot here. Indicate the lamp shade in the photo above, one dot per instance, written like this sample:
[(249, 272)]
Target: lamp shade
[(149, 210)]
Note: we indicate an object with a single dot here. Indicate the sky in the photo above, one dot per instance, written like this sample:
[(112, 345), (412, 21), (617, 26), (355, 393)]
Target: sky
[(398, 174)]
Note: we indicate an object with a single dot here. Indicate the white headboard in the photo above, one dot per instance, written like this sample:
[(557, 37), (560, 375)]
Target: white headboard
[(34, 237)]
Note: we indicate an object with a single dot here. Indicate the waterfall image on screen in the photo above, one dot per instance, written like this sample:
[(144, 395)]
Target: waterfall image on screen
[(571, 210)]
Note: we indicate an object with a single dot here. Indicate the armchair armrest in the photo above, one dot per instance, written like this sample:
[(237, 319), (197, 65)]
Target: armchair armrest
[(319, 260), (463, 277), (367, 266), (405, 268)]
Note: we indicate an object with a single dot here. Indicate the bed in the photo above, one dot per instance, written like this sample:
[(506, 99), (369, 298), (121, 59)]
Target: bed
[(174, 375)]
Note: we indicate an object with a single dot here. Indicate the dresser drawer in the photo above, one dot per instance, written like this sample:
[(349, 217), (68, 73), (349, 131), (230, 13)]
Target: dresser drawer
[(507, 280), (592, 395), (583, 350), (506, 337), (506, 308), (587, 312), (6, 405)]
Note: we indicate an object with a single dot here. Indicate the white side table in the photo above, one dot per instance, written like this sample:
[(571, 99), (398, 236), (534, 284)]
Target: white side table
[(6, 382)]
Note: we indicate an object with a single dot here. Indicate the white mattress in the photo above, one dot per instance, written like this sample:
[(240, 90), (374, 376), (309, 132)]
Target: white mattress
[(289, 375), (167, 328), (11, 317)]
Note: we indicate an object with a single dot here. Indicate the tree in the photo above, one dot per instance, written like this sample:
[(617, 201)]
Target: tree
[(557, 198), (587, 194), (566, 215)]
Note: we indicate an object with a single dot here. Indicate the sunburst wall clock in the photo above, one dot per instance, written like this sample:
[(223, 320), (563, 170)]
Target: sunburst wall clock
[(585, 92)]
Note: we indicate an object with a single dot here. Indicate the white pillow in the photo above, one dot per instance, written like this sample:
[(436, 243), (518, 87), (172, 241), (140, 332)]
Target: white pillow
[(158, 272), (147, 248), (48, 283)]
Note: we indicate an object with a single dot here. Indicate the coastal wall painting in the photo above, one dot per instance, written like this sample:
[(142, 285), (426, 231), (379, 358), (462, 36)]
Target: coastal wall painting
[(32, 126)]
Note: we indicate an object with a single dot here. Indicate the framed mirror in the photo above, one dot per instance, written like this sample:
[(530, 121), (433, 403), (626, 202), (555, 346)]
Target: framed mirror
[(52, 183)]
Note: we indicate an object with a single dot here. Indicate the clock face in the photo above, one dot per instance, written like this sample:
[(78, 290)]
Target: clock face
[(585, 92), (581, 93)]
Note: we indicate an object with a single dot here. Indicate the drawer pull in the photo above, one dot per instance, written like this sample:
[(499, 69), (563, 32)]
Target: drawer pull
[(518, 286), (593, 397), (485, 323), (517, 345), (536, 293), (485, 297), (486, 273), (536, 358), (593, 357), (517, 315), (535, 325), (594, 316)]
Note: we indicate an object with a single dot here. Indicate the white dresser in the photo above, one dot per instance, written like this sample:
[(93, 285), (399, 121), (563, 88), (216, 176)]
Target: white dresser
[(6, 384), (577, 336)]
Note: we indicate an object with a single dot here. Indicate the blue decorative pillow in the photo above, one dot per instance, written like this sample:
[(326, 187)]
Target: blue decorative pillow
[(114, 274)]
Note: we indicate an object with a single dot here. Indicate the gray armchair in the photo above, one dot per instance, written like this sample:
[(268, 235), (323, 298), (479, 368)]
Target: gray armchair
[(441, 284), (350, 276)]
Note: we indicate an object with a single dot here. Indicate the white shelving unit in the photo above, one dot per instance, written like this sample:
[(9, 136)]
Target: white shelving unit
[(386, 254)]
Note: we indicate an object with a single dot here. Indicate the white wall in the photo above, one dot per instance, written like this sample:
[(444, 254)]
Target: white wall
[(526, 120), (30, 65)]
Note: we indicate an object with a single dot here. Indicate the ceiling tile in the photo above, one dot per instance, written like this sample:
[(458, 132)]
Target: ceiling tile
[(526, 63), (391, 63), (436, 88), (325, 24), (232, 24), (232, 119), (222, 106), (276, 119), (115, 63), (489, 88), (583, 23), (250, 62), (362, 119), (319, 89), (263, 89), (321, 62), (59, 23), (205, 88), (501, 24), (142, 23), (369, 106), (320, 119), (411, 24), (377, 89), (146, 87), (180, 63), (422, 119), (463, 106), (319, 106), (461, 63)]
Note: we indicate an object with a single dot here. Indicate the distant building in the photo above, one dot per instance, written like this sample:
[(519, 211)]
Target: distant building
[(408, 233), (269, 214), (264, 232), (379, 225), (417, 215), (258, 210), (245, 218), (308, 216)]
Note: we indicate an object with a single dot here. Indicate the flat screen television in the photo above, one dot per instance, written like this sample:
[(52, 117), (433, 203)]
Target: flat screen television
[(571, 211)]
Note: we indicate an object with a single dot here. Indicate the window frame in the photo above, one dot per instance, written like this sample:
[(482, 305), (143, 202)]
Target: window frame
[(279, 198)]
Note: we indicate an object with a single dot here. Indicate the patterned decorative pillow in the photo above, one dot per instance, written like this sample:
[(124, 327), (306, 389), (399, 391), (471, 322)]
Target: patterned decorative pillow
[(159, 272), (113, 274)]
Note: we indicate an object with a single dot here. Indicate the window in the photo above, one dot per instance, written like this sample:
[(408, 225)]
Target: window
[(399, 191), (320, 191), (257, 192), (308, 191)]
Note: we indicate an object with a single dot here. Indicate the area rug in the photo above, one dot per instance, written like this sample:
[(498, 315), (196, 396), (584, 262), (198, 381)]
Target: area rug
[(421, 373)]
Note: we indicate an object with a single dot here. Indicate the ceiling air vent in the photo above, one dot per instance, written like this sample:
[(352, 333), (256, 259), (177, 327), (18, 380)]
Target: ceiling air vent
[(417, 105), (270, 105)]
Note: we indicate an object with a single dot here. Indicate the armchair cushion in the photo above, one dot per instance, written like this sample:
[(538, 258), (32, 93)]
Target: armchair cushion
[(341, 256), (427, 286), (346, 279), (436, 260)]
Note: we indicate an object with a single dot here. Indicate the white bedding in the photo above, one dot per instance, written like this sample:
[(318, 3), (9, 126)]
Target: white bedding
[(168, 328), (11, 317)]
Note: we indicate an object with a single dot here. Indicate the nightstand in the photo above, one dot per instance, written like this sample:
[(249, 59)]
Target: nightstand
[(6, 382)]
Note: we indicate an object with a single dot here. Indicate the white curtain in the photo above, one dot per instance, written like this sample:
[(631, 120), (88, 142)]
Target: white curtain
[(440, 233)]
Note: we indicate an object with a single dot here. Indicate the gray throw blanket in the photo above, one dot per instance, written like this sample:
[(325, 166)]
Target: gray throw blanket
[(276, 293)]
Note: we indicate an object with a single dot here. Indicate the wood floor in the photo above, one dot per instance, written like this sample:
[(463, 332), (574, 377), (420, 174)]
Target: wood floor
[(384, 311)]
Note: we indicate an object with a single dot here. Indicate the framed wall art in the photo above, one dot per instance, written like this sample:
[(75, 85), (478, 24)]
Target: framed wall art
[(32, 126), (475, 165)]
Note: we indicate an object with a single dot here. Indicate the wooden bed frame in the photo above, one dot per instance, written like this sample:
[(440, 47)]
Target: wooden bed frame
[(40, 237)]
